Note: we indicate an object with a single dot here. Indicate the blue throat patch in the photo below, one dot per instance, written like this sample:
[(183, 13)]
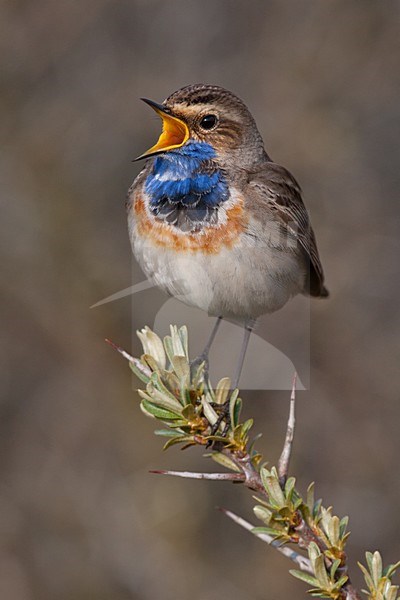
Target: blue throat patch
[(186, 187)]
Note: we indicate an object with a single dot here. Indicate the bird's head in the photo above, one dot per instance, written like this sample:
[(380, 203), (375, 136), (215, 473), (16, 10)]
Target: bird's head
[(211, 115)]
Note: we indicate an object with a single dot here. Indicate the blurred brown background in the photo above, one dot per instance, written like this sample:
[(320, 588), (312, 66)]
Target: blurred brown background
[(80, 517)]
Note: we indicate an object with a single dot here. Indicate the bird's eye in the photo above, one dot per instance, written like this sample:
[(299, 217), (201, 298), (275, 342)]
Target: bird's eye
[(208, 122)]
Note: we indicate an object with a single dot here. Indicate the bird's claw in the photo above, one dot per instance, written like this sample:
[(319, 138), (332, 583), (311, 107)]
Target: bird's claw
[(223, 416)]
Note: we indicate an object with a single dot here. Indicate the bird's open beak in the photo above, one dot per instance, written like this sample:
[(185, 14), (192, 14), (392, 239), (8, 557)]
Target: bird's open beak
[(174, 133)]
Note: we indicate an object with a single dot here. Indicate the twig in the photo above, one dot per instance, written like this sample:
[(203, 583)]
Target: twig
[(252, 477), (192, 475), (283, 464), (302, 562)]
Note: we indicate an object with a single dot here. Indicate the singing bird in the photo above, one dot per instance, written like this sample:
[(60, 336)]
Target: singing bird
[(214, 221)]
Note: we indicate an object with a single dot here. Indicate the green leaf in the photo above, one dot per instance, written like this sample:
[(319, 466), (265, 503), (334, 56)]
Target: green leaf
[(317, 593), (153, 346), (146, 412), (183, 439), (150, 361), (225, 461), (216, 438), (289, 487), (318, 564), (253, 442), (320, 572), (369, 556), (333, 530), (298, 502), (198, 378), (235, 406), (168, 432), (247, 425), (189, 412), (341, 581), (209, 412), (184, 392), (367, 576), (391, 569), (345, 537), (343, 526), (169, 349), (172, 382), (263, 513), (310, 497), (156, 382), (334, 568), (237, 433), (177, 344), (182, 369), (271, 484), (138, 368), (391, 592), (317, 510), (222, 390), (158, 412), (183, 333), (276, 534), (163, 400), (306, 577), (376, 570)]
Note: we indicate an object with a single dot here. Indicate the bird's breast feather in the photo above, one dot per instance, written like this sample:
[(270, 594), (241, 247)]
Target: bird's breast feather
[(210, 239)]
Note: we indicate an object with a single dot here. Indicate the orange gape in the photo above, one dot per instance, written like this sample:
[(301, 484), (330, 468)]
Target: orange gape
[(210, 240)]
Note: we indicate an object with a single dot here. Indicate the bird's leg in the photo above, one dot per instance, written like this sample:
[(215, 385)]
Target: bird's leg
[(224, 409), (203, 357), (248, 328)]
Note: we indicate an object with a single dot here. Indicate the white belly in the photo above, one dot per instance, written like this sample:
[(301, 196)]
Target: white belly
[(242, 282)]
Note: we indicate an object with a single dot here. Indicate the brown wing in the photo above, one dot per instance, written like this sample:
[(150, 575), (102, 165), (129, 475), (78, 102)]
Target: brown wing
[(281, 193)]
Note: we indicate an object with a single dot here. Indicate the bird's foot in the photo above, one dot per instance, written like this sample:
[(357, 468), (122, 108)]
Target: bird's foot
[(223, 410)]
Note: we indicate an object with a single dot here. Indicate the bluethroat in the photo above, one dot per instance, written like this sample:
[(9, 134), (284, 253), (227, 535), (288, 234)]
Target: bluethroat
[(214, 221)]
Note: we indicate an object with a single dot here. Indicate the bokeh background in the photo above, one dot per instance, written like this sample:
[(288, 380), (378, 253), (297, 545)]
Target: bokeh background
[(80, 516)]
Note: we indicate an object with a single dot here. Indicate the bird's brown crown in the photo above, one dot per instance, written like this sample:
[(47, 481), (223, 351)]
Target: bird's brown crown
[(216, 116)]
